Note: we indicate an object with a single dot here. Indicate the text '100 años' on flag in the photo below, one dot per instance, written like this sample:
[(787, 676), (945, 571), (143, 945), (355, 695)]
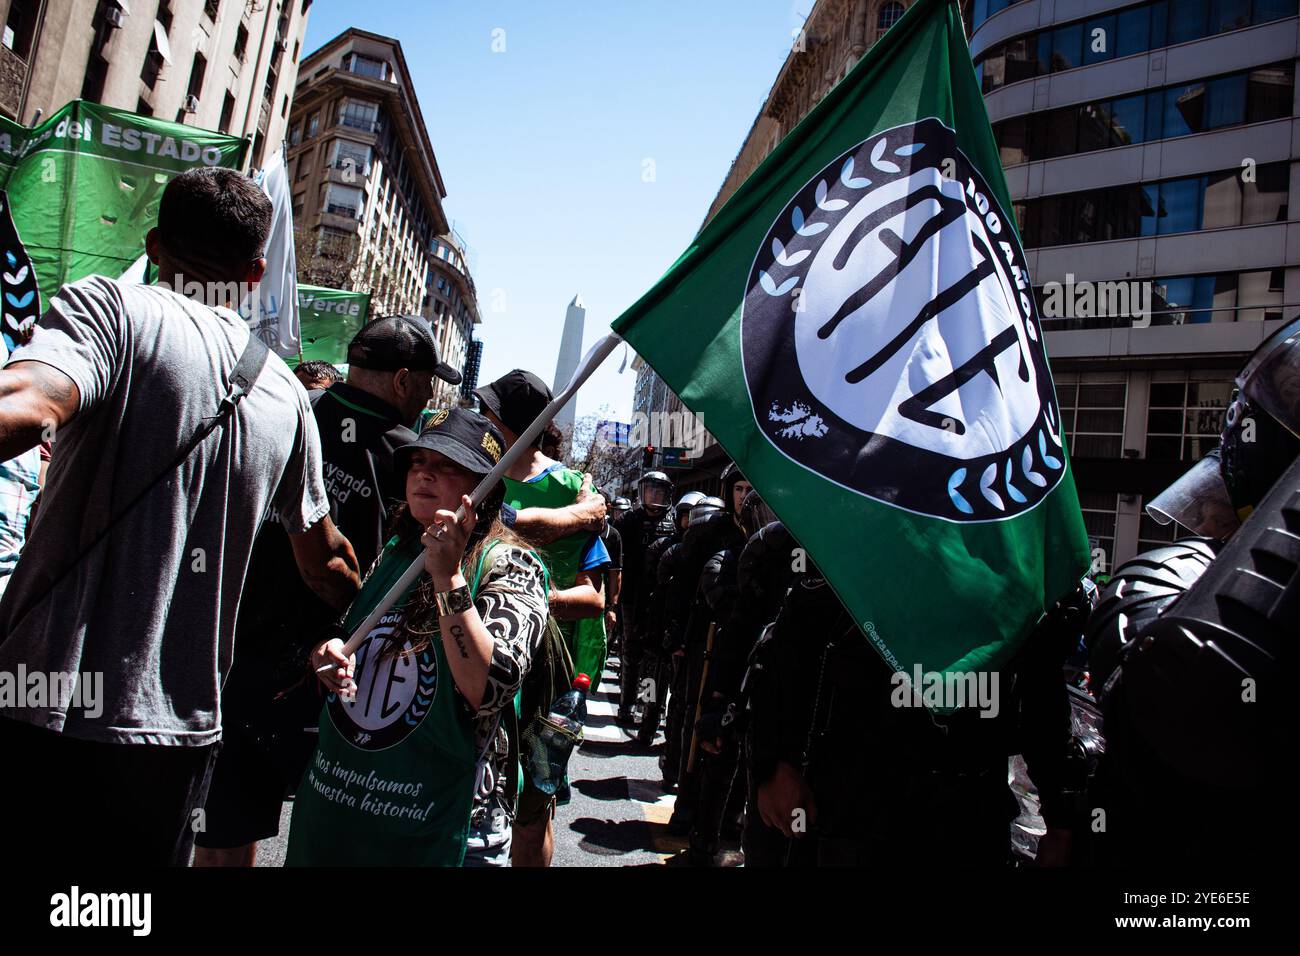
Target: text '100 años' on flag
[(858, 327), (84, 185)]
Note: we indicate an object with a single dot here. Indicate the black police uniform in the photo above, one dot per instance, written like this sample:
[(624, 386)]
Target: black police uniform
[(653, 672), (688, 619), (891, 784), (638, 529)]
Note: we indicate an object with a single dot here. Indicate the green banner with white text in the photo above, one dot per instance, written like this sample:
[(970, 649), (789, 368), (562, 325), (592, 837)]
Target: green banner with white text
[(84, 185), (330, 318)]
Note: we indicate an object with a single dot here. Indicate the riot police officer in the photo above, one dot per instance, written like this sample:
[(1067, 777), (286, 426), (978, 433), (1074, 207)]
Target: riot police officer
[(1187, 645), (638, 528), (689, 633), (741, 602), (655, 671)]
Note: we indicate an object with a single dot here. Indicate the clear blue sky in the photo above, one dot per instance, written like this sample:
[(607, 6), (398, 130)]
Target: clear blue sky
[(542, 147)]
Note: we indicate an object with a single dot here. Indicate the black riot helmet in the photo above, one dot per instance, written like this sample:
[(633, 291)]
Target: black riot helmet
[(704, 507), (620, 505), (655, 491), (1259, 441), (682, 510)]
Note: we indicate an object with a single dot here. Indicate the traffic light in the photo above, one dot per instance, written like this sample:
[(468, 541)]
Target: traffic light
[(648, 457)]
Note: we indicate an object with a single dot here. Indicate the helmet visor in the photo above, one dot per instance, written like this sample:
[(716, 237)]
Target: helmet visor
[(757, 512), (653, 495), (1271, 378), (1198, 501)]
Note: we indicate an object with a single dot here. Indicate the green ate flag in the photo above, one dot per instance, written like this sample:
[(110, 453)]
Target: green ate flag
[(84, 185), (330, 318), (857, 328)]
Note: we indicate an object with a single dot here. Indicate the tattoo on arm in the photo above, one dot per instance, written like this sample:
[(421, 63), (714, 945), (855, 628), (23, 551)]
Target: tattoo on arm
[(54, 385), (458, 635)]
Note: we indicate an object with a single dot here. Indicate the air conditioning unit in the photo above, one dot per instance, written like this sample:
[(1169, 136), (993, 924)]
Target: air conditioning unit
[(115, 18), (191, 104)]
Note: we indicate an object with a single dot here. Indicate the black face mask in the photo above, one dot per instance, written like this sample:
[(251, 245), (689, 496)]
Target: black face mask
[(1255, 450)]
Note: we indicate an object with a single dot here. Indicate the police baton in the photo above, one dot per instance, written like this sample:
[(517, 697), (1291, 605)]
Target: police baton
[(595, 355)]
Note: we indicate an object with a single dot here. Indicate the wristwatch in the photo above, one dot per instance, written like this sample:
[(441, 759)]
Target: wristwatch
[(455, 601)]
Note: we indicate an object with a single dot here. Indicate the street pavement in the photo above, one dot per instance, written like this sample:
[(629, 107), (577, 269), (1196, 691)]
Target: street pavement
[(619, 811)]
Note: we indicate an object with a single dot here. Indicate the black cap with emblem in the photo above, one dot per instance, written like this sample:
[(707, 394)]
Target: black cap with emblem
[(465, 437), (396, 342)]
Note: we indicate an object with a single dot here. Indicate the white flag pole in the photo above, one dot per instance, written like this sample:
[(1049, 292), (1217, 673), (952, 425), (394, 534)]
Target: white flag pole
[(595, 355)]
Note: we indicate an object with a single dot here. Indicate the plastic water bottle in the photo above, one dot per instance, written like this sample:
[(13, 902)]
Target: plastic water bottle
[(561, 731)]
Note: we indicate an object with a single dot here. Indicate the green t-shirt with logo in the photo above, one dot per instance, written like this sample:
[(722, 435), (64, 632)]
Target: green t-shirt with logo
[(392, 779)]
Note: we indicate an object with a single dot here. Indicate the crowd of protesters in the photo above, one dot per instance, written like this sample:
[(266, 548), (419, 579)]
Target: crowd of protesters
[(209, 521), (190, 533)]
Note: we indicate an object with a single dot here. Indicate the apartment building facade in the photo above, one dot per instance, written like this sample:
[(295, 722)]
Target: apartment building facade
[(1151, 147), (453, 312), (227, 65), (364, 178)]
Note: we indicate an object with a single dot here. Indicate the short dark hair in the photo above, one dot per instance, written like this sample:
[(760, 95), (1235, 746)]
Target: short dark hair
[(318, 371), (213, 220)]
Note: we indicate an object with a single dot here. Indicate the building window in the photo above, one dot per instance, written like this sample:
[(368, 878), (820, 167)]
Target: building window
[(1188, 204), (20, 27), (241, 42), (1100, 510), (359, 114), (344, 201), (366, 66), (313, 123), (227, 112), (1185, 414), (295, 134), (1253, 96), (351, 156), (153, 59), (198, 71), (212, 8), (1092, 413), (1137, 29), (889, 15)]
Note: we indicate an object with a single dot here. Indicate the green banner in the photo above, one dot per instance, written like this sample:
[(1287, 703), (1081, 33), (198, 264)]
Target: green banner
[(330, 318), (84, 185), (856, 326)]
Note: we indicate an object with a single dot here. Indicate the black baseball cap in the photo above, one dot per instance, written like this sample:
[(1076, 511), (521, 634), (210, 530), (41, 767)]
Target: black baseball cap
[(466, 437), (399, 341), (517, 398)]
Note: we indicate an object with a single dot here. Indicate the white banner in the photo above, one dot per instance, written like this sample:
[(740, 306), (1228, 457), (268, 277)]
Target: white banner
[(274, 317)]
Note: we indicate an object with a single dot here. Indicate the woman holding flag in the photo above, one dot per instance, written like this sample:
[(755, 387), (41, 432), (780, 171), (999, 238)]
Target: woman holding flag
[(413, 723)]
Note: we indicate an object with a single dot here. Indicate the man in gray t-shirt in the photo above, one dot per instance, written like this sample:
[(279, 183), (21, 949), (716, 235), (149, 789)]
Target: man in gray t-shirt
[(132, 638)]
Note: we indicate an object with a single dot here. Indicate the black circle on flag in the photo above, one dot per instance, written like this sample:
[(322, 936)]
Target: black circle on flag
[(890, 338)]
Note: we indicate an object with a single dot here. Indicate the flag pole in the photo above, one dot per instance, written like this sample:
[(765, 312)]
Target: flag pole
[(595, 355)]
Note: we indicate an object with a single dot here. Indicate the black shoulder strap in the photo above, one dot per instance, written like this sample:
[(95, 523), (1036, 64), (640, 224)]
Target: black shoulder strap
[(242, 379)]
